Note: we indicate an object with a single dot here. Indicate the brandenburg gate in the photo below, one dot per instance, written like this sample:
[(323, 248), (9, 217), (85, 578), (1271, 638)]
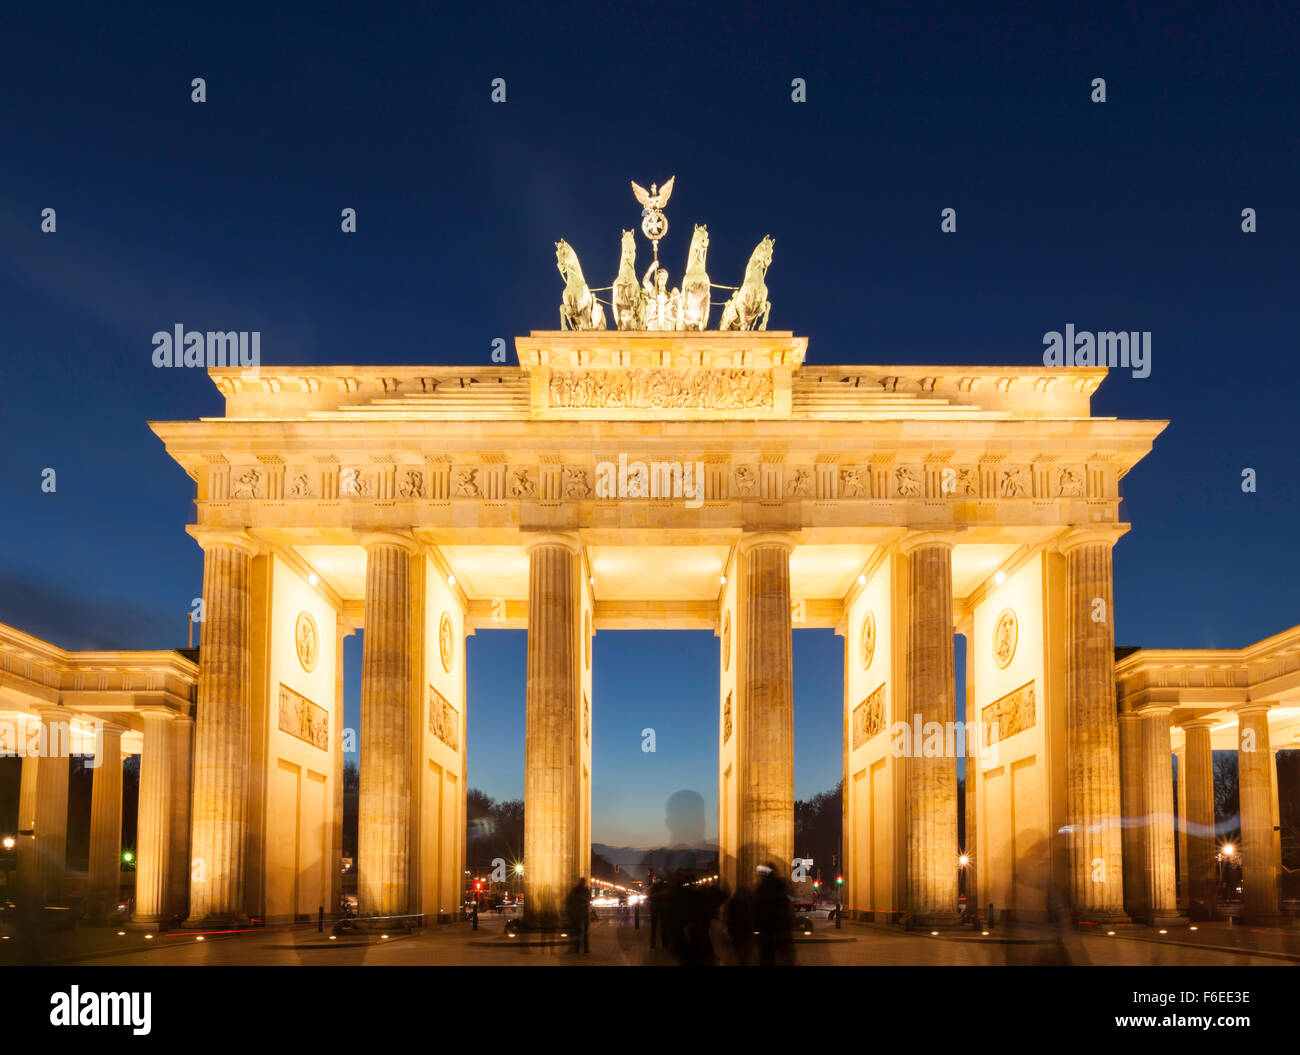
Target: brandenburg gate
[(660, 475), (896, 504)]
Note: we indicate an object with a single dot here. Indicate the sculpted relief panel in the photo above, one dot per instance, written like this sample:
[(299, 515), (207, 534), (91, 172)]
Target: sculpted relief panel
[(1013, 713), (736, 480), (869, 717), (301, 718), (660, 389), (444, 719)]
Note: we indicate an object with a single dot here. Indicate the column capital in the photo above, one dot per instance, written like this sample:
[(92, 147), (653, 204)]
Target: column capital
[(215, 538), (1107, 534), (754, 539), (1153, 710), (371, 539), (538, 539), (1253, 707), (1197, 723), (916, 540), (157, 712)]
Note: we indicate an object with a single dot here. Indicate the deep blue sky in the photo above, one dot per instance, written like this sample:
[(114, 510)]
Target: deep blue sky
[(225, 215)]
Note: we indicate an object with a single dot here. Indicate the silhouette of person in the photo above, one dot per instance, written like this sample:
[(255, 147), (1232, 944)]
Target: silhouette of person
[(578, 910), (684, 817), (772, 917), (658, 912), (738, 918)]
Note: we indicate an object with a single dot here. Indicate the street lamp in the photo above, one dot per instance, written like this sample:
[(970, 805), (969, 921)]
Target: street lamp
[(9, 842)]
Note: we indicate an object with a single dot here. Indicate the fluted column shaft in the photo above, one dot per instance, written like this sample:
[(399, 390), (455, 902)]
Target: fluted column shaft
[(50, 819), (153, 830), (180, 740), (1198, 775), (1132, 800), (766, 792), (972, 777), (43, 863), (1158, 812), (387, 718), (104, 871), (222, 734), (552, 730), (1092, 732), (27, 870), (931, 782), (336, 817), (1260, 866)]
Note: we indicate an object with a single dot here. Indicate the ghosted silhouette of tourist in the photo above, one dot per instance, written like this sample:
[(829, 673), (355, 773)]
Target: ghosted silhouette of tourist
[(578, 910), (658, 912), (1040, 931), (692, 905), (684, 818), (738, 918), (773, 918)]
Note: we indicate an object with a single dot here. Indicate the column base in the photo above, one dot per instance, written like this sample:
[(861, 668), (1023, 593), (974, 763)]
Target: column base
[(935, 921), (1267, 919), (543, 924), (1166, 919), (385, 924), (145, 923), (1103, 918), (216, 921)]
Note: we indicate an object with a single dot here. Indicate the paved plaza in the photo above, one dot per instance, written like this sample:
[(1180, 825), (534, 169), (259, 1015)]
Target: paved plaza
[(616, 942)]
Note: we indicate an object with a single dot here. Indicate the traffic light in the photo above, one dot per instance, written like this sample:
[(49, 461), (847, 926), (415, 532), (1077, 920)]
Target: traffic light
[(839, 880)]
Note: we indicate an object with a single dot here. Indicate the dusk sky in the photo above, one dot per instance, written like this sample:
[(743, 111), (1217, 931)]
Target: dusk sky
[(225, 215)]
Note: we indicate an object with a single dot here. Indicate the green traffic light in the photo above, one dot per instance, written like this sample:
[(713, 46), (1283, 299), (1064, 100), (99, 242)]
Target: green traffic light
[(128, 856)]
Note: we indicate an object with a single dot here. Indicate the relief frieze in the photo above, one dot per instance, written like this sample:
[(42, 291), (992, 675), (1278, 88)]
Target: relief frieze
[(660, 389)]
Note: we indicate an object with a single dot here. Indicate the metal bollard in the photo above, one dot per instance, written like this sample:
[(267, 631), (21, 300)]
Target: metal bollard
[(320, 919)]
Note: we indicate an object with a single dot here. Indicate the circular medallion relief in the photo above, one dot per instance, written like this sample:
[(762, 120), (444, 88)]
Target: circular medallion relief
[(867, 640), (307, 641), (446, 641), (586, 637), (1006, 632), (726, 640)]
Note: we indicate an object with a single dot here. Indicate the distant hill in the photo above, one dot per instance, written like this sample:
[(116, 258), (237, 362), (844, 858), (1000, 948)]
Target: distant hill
[(636, 862)]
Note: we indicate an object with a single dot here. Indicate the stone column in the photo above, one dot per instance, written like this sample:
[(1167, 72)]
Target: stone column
[(222, 732), (104, 871), (1158, 813), (1198, 775), (1132, 799), (153, 829), (765, 694), (336, 821), (181, 751), (931, 783), (1260, 865), (50, 828), (1180, 819), (26, 848), (552, 726), (1092, 729), (972, 774), (387, 720)]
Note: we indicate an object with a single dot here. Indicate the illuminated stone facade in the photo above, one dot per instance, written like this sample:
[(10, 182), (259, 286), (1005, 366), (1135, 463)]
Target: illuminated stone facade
[(896, 505)]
